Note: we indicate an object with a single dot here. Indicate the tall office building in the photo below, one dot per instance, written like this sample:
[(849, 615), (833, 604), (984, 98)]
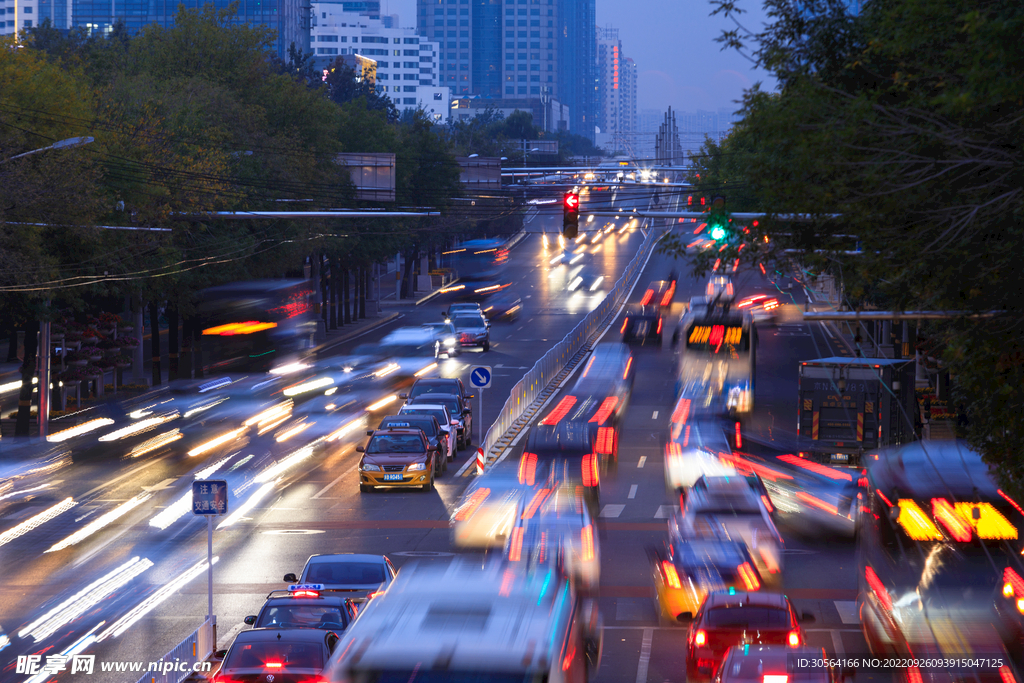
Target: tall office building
[(577, 54), (615, 113), (290, 18)]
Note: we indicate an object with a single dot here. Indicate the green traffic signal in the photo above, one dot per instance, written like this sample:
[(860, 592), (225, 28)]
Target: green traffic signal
[(717, 233)]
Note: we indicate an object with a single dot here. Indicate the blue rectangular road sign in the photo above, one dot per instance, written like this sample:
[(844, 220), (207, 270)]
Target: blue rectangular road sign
[(210, 497)]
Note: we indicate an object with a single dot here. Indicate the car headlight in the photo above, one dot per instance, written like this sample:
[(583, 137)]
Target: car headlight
[(370, 468), (416, 466), (450, 341)]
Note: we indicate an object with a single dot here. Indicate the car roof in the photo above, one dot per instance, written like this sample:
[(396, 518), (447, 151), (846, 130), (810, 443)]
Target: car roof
[(325, 598), (411, 418), (649, 311), (428, 381), (340, 557), (256, 635), (740, 598), (939, 470), (424, 405), (399, 430), (565, 436), (473, 305)]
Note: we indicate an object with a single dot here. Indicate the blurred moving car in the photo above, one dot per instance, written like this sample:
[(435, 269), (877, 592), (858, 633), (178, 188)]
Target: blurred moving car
[(359, 574), (445, 334), (428, 425), (730, 618), (463, 307), (778, 663), (686, 570), (459, 411), (720, 289), (472, 330), (601, 395), (439, 412), (642, 324), (561, 452), (488, 510), (495, 623), (504, 307), (717, 362), (266, 654), (437, 385), (555, 528), (938, 548), (659, 293), (733, 510), (399, 456), (305, 606)]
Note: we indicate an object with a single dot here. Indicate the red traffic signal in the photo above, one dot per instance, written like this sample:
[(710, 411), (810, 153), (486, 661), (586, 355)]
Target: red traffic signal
[(570, 215), (572, 201)]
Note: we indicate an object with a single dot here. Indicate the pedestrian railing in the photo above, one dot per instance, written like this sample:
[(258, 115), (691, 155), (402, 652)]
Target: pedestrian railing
[(535, 382), (186, 658)]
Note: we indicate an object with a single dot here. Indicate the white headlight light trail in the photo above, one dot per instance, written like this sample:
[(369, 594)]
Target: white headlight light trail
[(248, 505), (297, 429), (272, 413), (36, 521), (575, 259), (575, 283), (76, 648), (289, 369), (78, 430), (312, 385), (284, 464), (147, 605), (136, 427), (100, 522), (156, 442), (84, 600), (217, 441), (597, 283), (358, 423), (387, 370), (381, 403)]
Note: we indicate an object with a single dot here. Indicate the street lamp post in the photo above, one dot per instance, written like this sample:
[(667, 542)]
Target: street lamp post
[(60, 144)]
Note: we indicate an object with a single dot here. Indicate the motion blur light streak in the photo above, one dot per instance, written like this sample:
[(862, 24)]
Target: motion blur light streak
[(213, 443), (347, 429), (82, 601), (297, 429), (290, 368), (183, 505), (284, 464), (147, 605), (245, 507), (76, 648), (597, 283), (24, 491), (556, 259), (381, 403), (824, 470), (155, 443), (312, 385), (38, 520), (575, 284), (140, 426), (270, 414), (205, 406), (100, 522), (432, 366), (575, 259), (387, 370), (78, 430)]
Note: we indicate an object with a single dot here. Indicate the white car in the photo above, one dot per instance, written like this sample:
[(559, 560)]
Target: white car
[(488, 510), (443, 419)]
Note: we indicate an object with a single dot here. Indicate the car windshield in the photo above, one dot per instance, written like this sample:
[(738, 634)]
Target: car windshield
[(303, 616), (276, 654), (370, 573), (442, 419), (468, 321), (747, 616), (426, 425), (452, 404), (435, 387), (395, 443)]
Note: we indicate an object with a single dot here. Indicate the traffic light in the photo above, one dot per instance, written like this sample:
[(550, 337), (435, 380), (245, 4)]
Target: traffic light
[(570, 215)]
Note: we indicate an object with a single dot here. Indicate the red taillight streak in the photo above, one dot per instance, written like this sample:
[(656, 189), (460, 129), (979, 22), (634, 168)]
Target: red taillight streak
[(682, 411), (769, 561), (528, 468), (607, 406), (767, 504), (958, 527), (535, 503), (1013, 578), (794, 639), (699, 228), (659, 325), (739, 437), (590, 470), (587, 369), (587, 540), (686, 437), (567, 662), (506, 584), (671, 575), (624, 324), (829, 472), (1011, 501), (629, 364), (667, 299), (750, 579), (700, 638), (914, 675), (761, 266), (306, 594), (717, 263), (717, 334), (560, 411), (882, 496), (648, 295), (476, 499), (1006, 674), (878, 588), (674, 449), (606, 441), (816, 502), (515, 548)]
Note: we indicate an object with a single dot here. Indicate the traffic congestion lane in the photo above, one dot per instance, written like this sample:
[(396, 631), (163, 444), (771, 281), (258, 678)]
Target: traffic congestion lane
[(354, 525)]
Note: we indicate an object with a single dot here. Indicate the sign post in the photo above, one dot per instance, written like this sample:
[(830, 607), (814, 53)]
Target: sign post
[(480, 378), (210, 498)]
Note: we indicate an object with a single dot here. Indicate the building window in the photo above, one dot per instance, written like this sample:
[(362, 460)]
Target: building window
[(534, 89), (535, 13), (463, 34), (522, 79), (26, 10), (380, 76), (551, 67), (510, 91), (535, 34), (522, 67), (535, 67), (328, 39), (408, 88), (463, 22), (439, 22), (509, 77), (411, 41), (510, 34), (522, 90), (550, 79), (534, 46), (510, 12), (451, 11), (522, 12), (408, 100), (437, 96), (436, 11), (535, 79), (327, 50), (522, 34), (464, 12)]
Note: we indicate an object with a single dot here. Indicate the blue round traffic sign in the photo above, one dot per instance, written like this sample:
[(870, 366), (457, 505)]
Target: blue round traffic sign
[(480, 376)]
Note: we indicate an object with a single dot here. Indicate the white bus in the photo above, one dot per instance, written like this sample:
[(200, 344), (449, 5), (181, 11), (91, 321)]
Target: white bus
[(717, 361)]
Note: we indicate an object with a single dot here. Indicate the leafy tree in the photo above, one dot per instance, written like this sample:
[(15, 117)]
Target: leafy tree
[(344, 86)]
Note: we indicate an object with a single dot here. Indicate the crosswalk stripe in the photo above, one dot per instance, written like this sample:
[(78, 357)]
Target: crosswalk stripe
[(611, 510)]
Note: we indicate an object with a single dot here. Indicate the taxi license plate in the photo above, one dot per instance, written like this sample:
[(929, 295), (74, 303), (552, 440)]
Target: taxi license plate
[(392, 477)]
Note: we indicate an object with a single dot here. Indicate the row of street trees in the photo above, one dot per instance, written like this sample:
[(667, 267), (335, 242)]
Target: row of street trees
[(905, 117)]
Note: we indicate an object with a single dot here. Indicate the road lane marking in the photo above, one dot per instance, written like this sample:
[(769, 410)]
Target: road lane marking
[(847, 611), (645, 656), (327, 488), (666, 511), (612, 510), (655, 416), (632, 491), (640, 465)]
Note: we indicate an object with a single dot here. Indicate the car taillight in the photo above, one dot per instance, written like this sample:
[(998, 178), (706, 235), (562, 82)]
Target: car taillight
[(659, 325), (700, 638), (1006, 674), (273, 665), (749, 577), (515, 548), (590, 470), (587, 540), (767, 504), (373, 594), (914, 675), (528, 468), (775, 678), (606, 440), (794, 639), (671, 575), (624, 324)]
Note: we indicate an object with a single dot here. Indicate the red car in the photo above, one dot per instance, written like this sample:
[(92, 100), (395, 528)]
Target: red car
[(728, 618), (778, 664)]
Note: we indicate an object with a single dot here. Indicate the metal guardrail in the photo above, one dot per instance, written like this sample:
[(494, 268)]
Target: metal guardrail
[(536, 380), (195, 649)]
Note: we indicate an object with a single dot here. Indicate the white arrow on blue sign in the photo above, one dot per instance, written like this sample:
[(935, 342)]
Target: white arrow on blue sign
[(480, 376)]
